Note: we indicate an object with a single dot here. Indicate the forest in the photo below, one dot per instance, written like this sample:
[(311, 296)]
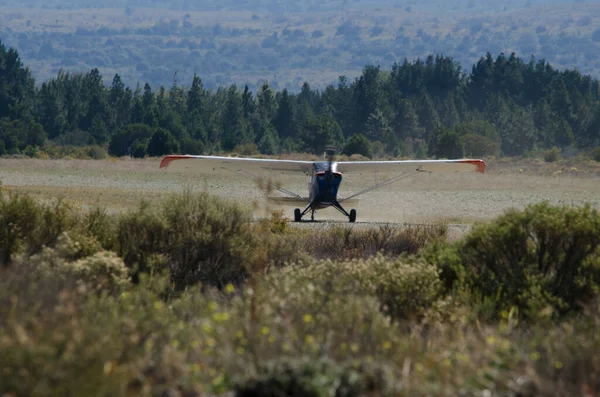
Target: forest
[(503, 106)]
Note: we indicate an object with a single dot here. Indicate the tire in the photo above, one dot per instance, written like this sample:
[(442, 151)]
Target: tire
[(297, 215), (352, 215)]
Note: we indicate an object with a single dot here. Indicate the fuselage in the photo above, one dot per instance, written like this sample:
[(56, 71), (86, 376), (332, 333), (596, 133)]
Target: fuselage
[(324, 184)]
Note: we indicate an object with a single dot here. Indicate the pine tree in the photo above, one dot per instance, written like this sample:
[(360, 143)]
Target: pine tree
[(284, 120), (233, 121), (377, 127)]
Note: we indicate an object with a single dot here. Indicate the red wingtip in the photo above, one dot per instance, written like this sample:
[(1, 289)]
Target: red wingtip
[(167, 160), (479, 163)]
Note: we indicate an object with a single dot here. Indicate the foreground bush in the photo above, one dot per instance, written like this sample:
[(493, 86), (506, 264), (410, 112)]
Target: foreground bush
[(26, 226), (405, 287), (542, 260), (200, 239), (58, 339)]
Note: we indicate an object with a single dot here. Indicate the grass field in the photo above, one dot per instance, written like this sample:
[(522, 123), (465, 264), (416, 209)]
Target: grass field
[(462, 198)]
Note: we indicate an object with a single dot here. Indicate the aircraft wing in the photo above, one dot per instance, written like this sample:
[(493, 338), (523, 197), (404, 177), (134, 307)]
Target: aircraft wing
[(219, 164), (409, 166)]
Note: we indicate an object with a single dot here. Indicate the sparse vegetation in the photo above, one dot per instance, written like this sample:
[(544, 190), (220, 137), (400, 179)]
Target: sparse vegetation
[(552, 155), (160, 300), (596, 154)]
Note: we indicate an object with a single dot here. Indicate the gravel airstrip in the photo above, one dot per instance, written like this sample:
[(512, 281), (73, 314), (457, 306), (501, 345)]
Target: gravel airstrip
[(457, 199)]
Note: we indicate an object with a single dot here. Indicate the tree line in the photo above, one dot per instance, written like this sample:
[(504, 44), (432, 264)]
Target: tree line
[(504, 106)]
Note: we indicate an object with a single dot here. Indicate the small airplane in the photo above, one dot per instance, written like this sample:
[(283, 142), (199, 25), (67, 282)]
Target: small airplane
[(325, 177)]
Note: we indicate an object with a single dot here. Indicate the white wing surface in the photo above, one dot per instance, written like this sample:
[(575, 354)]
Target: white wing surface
[(221, 165), (391, 168)]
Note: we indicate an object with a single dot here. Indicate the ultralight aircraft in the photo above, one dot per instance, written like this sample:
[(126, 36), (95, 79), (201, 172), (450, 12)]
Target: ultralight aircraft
[(325, 177)]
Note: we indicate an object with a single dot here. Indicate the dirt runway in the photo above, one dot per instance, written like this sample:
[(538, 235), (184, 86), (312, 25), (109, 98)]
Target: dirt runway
[(455, 199)]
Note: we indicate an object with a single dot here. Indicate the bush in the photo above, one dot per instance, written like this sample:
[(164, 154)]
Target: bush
[(316, 378), (596, 154), (544, 258), (358, 144), (246, 149), (405, 287), (83, 260), (26, 226), (552, 155), (480, 146), (449, 145), (199, 238)]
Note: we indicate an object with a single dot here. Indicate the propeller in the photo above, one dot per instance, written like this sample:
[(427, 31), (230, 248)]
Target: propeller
[(330, 153)]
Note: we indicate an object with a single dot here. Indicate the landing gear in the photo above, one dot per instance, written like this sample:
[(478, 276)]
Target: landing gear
[(352, 215), (297, 215)]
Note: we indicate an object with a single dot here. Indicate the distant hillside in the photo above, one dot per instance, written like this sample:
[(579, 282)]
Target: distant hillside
[(286, 42)]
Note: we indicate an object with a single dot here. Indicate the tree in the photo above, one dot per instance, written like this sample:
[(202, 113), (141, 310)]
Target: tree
[(318, 132), (428, 115), (367, 97), (377, 127), (232, 121), (93, 92), (51, 112), (119, 102), (17, 135), (267, 105), (479, 146), (130, 138), (284, 120), (98, 130), (449, 145), (17, 91), (195, 95), (269, 142), (162, 142), (358, 144)]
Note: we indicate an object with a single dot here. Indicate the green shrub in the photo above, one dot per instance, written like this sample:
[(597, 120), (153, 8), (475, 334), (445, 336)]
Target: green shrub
[(448, 145), (140, 236), (102, 226), (480, 146), (542, 258), (83, 260), (552, 155), (316, 378), (19, 217), (405, 286), (596, 154), (246, 149), (97, 152), (358, 144), (58, 339), (199, 238)]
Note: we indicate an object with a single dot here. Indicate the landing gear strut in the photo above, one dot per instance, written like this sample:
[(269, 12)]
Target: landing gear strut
[(299, 214), (351, 216)]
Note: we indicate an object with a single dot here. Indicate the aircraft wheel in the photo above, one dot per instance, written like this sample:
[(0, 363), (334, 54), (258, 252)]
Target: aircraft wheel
[(297, 215), (352, 215)]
